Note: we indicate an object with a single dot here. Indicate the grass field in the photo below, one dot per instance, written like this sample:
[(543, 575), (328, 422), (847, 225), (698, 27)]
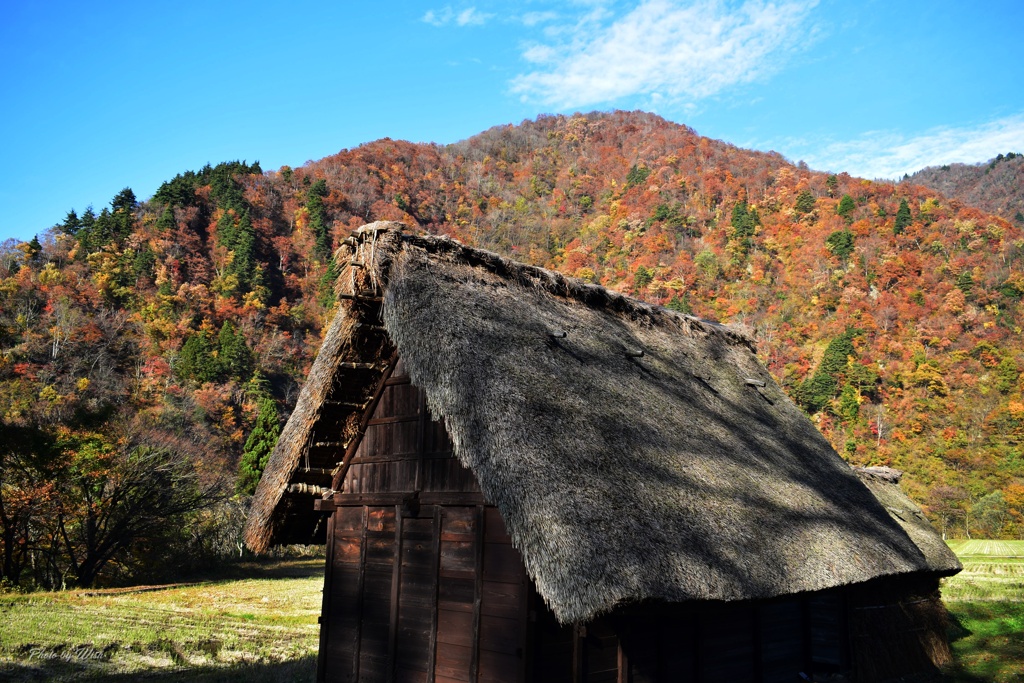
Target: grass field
[(986, 601), (259, 624), (262, 628)]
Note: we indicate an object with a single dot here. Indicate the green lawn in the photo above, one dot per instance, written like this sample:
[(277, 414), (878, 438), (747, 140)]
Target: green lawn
[(254, 629), (986, 601)]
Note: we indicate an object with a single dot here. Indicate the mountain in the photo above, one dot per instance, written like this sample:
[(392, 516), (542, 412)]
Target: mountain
[(177, 331), (997, 186)]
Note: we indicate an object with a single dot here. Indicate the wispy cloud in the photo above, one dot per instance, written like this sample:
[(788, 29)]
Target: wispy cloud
[(679, 51), (534, 18), (887, 154), (469, 16)]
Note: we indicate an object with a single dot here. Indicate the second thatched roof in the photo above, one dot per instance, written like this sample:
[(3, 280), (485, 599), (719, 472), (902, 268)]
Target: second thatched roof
[(634, 453)]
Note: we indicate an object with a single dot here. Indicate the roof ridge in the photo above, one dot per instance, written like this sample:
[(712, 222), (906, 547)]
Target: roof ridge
[(551, 281)]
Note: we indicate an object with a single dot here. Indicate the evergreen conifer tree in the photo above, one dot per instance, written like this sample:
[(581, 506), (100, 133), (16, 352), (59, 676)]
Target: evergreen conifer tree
[(196, 361), (258, 447), (234, 356), (902, 218), (318, 218), (846, 208), (804, 202)]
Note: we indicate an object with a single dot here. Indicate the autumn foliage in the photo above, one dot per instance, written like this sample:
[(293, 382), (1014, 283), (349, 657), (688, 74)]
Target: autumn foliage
[(889, 312)]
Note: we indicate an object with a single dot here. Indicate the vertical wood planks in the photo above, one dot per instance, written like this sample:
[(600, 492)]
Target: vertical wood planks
[(419, 591)]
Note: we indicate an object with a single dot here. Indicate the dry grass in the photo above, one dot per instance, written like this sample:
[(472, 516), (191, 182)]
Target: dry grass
[(256, 629)]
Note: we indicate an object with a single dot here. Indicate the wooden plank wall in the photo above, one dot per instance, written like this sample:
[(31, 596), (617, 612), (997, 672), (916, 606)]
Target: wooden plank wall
[(451, 609), (424, 588), (403, 449), (764, 642)]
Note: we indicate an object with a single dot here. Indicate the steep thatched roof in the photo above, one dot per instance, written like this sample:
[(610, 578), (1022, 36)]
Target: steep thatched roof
[(684, 473), (884, 483)]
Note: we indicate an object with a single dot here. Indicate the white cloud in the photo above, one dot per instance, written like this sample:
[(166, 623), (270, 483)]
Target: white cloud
[(467, 17), (887, 154), (679, 51), (534, 18), (438, 18), (470, 17)]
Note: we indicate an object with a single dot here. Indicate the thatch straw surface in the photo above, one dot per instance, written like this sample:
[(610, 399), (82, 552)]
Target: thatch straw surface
[(884, 483), (681, 474), (264, 515)]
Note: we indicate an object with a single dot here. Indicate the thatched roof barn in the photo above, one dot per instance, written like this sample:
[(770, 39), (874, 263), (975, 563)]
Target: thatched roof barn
[(635, 455)]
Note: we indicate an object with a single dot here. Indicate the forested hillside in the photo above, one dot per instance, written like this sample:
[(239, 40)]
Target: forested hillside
[(150, 351), (996, 185)]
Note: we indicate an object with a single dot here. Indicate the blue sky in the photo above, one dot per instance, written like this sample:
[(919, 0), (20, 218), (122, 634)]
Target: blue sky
[(98, 96)]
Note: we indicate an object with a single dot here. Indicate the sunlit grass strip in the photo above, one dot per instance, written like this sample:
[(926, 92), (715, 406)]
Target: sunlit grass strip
[(261, 625), (986, 603)]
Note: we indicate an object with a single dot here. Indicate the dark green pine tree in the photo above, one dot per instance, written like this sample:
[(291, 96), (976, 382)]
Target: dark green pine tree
[(243, 264), (34, 247), (123, 214), (804, 202), (744, 224), (86, 228), (318, 218), (327, 283), (816, 392), (234, 355), (846, 208), (902, 218), (840, 243), (195, 360), (166, 222), (71, 224), (258, 447)]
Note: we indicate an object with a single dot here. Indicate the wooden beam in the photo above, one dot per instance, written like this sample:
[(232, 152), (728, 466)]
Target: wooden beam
[(478, 595), (316, 471), (360, 298), (396, 595), (622, 658), (329, 444), (357, 366), (578, 635), (353, 446), (436, 546), (346, 404), (356, 646), (325, 613), (421, 437), (388, 499)]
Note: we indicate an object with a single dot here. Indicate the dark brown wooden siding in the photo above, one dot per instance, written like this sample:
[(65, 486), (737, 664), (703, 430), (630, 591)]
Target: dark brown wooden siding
[(746, 642), (422, 583), (403, 449)]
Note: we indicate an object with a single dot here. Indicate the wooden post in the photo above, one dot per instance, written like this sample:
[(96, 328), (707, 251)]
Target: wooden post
[(478, 595), (579, 633), (396, 595), (436, 542), (359, 602), (325, 609), (623, 658)]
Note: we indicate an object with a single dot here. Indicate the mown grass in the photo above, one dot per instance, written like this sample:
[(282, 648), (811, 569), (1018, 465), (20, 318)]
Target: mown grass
[(986, 602), (263, 628), (255, 629)]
